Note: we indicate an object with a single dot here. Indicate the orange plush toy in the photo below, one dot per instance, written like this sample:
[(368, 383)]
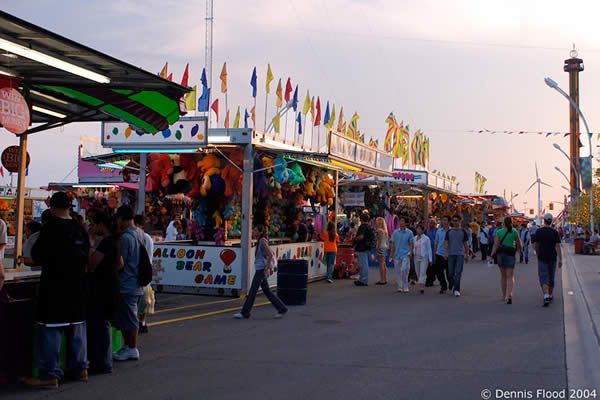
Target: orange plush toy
[(233, 176), (325, 192), (209, 166), (160, 167)]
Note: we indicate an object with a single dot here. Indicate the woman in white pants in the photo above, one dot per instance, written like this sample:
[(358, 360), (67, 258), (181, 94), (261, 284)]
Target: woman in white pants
[(423, 256)]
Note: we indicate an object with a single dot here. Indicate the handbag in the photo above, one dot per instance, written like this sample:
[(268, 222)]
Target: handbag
[(510, 251)]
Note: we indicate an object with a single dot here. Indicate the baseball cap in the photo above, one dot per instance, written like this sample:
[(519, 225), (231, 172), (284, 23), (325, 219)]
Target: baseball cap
[(125, 212), (60, 200), (548, 217)]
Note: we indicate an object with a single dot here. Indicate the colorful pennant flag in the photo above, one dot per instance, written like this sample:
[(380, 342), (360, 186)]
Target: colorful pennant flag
[(404, 142), (341, 121), (276, 120), (204, 99), (163, 72), (186, 76), (332, 118), (318, 115), (269, 78), (223, 78), (279, 94), (299, 120), (253, 82), (388, 143), (215, 108), (312, 109), (190, 99), (295, 99), (170, 77), (246, 118), (236, 121), (288, 90), (306, 106), (327, 115), (353, 127), (226, 124)]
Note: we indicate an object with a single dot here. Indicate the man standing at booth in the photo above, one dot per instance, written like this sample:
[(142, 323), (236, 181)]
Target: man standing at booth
[(62, 250)]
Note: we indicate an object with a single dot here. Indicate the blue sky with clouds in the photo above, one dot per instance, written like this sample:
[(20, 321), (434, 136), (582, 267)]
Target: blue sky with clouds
[(444, 67)]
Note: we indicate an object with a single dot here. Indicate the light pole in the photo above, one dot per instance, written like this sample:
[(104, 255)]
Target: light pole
[(574, 196), (552, 84), (563, 174)]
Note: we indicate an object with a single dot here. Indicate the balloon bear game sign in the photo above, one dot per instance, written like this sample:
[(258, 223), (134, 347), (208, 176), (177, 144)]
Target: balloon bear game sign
[(198, 267)]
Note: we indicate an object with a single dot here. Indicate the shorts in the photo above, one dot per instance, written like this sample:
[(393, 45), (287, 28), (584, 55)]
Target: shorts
[(381, 252), (506, 261), (546, 272), (126, 317)]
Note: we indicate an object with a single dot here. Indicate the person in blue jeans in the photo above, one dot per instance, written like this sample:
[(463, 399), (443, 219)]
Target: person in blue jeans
[(362, 246), (401, 251), (525, 240), (62, 250), (456, 251)]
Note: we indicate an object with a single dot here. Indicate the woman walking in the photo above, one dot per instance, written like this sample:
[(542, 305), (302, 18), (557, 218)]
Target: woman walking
[(331, 239), (382, 249), (423, 256), (263, 262), (506, 244), (103, 268)]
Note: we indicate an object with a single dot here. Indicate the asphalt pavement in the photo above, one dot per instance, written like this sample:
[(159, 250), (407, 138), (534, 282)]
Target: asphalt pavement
[(347, 343)]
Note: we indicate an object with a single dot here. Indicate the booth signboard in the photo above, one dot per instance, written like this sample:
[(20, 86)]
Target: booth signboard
[(410, 176), (351, 150), (14, 111), (212, 267), (353, 199), (10, 158), (313, 252), (187, 133), (342, 147)]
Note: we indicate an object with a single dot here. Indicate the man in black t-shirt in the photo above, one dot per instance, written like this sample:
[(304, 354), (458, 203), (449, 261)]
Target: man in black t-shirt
[(362, 246), (546, 242)]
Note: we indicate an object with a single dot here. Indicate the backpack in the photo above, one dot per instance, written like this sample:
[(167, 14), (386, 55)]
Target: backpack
[(372, 239), (144, 265)]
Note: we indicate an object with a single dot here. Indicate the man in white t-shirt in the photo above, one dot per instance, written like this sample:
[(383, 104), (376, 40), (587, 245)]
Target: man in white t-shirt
[(484, 241), (171, 233), (143, 304)]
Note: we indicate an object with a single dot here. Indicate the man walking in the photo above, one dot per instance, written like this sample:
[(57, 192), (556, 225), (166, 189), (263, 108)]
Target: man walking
[(401, 250), (546, 243), (132, 239), (525, 236), (362, 245), (484, 240), (441, 262), (62, 251), (456, 250)]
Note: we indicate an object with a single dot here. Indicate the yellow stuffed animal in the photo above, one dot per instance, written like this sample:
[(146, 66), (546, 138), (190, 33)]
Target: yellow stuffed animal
[(325, 193), (209, 166)]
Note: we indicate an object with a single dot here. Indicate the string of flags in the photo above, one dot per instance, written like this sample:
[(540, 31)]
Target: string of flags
[(541, 133)]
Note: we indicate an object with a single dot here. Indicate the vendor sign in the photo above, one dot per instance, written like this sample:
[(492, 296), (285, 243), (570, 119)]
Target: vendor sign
[(309, 251), (353, 199), (197, 266), (14, 111)]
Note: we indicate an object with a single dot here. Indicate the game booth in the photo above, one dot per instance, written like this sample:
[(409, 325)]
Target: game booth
[(232, 179)]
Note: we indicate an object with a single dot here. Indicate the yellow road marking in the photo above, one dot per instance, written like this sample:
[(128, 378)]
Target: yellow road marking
[(195, 305), (208, 314)]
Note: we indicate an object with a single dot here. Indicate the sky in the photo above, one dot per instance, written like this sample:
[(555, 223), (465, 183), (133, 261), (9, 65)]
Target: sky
[(444, 67)]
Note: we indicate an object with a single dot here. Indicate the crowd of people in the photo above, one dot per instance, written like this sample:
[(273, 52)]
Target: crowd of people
[(90, 281)]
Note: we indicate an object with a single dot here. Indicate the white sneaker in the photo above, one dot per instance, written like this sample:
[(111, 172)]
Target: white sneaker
[(456, 293), (279, 315), (126, 353), (238, 315), (329, 280), (400, 290)]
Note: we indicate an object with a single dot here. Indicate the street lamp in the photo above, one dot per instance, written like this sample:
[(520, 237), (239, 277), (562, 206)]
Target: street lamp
[(553, 85), (563, 174), (574, 196)]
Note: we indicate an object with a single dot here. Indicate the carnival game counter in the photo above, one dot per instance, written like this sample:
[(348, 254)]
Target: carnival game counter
[(208, 269)]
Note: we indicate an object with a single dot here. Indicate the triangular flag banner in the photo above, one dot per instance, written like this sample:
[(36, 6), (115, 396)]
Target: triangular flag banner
[(170, 77), (306, 106), (226, 123), (353, 127), (341, 120), (186, 76), (269, 78), (299, 120), (236, 121), (223, 78), (312, 109), (279, 94), (276, 120), (190, 99), (253, 114), (204, 99), (318, 115), (295, 99), (203, 78), (332, 117), (215, 108), (389, 135), (253, 82), (288, 90), (327, 115), (246, 118), (163, 72)]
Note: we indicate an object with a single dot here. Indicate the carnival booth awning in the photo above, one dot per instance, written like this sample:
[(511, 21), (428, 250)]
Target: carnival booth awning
[(67, 81)]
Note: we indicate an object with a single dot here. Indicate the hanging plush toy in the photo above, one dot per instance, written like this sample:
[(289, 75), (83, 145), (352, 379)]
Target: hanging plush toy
[(209, 166), (199, 214), (298, 177), (260, 178), (325, 192), (218, 220), (160, 167), (232, 175), (268, 162), (282, 173), (274, 188), (219, 237)]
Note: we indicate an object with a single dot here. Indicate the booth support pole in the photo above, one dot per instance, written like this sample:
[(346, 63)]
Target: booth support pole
[(335, 200), (426, 203), (19, 225), (246, 239), (141, 203)]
